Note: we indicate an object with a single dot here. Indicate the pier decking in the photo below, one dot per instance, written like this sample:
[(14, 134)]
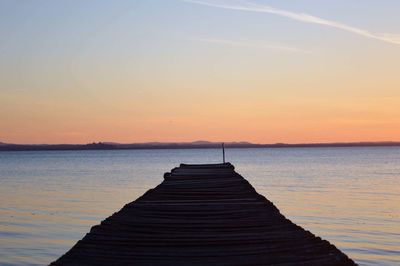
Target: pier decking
[(201, 215)]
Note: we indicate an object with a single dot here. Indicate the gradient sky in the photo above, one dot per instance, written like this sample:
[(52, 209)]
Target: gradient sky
[(262, 71)]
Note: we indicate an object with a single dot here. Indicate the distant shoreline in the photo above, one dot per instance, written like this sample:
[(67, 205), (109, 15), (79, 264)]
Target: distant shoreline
[(185, 145)]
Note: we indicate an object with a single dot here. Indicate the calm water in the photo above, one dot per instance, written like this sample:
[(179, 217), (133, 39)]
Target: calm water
[(349, 196)]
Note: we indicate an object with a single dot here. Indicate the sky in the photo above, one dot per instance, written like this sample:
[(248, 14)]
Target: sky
[(264, 71)]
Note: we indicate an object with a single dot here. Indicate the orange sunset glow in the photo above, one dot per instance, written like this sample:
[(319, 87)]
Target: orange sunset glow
[(191, 70)]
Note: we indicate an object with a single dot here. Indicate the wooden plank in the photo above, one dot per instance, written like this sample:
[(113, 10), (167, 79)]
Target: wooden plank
[(201, 215)]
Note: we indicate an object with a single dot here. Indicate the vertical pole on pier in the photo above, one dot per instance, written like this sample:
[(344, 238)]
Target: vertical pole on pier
[(223, 152)]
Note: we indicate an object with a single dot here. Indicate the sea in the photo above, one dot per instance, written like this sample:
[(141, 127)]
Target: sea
[(348, 196)]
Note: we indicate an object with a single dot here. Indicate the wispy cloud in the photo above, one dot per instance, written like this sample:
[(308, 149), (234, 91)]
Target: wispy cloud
[(251, 45), (252, 7)]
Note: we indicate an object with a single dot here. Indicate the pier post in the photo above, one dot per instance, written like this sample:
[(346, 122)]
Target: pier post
[(223, 152)]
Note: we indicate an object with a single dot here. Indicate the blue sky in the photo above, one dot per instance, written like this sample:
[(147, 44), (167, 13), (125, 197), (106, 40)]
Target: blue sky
[(114, 59)]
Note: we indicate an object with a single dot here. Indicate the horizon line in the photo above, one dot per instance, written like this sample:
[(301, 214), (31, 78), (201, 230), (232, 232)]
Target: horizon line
[(202, 141)]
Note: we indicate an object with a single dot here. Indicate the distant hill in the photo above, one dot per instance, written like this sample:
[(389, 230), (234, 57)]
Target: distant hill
[(194, 143), (181, 145)]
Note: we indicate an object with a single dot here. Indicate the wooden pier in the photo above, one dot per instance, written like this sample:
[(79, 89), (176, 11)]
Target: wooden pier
[(201, 215)]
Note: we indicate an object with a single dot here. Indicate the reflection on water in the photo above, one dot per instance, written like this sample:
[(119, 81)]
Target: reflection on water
[(349, 196)]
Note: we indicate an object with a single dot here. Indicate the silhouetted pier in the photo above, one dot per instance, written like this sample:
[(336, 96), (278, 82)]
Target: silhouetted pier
[(201, 215)]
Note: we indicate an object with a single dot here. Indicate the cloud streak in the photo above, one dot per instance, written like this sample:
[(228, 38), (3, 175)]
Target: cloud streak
[(251, 45), (252, 7)]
